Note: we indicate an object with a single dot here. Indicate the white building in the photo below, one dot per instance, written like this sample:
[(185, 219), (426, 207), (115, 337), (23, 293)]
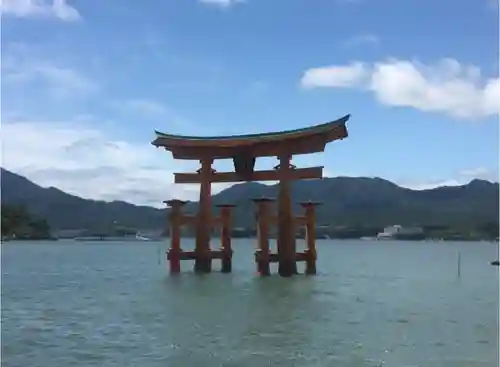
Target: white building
[(394, 230)]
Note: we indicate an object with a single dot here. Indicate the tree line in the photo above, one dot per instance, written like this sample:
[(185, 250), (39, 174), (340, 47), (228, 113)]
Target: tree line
[(19, 223)]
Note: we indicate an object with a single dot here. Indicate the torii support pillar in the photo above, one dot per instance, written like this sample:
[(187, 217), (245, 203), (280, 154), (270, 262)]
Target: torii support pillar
[(310, 222), (286, 229), (175, 219), (203, 261), (227, 251), (262, 255)]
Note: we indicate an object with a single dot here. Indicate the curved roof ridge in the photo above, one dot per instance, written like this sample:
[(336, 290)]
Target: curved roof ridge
[(315, 129)]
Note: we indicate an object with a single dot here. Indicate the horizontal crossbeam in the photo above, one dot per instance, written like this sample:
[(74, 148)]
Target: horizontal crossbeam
[(299, 256), (269, 175)]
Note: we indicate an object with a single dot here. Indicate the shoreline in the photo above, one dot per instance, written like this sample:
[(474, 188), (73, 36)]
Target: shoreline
[(125, 239)]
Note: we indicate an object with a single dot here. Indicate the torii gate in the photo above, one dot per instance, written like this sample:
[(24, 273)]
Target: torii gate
[(244, 150)]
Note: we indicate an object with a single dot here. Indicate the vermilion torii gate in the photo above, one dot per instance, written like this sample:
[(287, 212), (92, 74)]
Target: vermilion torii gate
[(244, 150)]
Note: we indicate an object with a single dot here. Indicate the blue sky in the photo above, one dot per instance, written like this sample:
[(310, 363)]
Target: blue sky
[(85, 83)]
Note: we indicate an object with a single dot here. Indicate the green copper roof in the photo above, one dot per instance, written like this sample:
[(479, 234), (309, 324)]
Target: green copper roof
[(311, 129)]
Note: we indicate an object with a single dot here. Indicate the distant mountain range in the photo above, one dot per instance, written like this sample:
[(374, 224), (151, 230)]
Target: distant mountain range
[(66, 211), (346, 201)]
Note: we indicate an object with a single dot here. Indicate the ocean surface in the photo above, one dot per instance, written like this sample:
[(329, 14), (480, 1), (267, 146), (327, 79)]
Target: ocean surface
[(377, 303)]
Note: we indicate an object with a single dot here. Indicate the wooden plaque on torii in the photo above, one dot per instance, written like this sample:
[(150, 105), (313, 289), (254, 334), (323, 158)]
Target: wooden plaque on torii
[(244, 150)]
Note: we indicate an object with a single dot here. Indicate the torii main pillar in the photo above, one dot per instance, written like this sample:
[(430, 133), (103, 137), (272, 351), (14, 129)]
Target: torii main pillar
[(287, 265), (203, 261)]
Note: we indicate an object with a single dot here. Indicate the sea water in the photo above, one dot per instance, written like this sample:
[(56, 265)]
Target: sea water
[(373, 303)]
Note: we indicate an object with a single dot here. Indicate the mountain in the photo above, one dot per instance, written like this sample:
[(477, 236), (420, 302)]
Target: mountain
[(346, 202), (65, 211), (361, 201)]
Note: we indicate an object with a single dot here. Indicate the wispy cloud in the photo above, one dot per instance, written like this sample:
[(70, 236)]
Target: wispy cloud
[(462, 177), (144, 106), (60, 81), (479, 172), (445, 87), (459, 178), (362, 39), (22, 65), (256, 89), (222, 4), (40, 8), (164, 116), (350, 2), (493, 4)]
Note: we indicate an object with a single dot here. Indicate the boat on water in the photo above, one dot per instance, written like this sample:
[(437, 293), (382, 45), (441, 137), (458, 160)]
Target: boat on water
[(140, 237)]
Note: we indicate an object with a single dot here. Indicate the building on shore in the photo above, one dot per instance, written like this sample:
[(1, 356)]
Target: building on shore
[(399, 232)]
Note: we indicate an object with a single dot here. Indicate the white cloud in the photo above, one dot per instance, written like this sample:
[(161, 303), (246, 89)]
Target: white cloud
[(223, 4), (482, 173), (459, 178), (428, 185), (40, 8), (462, 177), (335, 76), (87, 162), (446, 87)]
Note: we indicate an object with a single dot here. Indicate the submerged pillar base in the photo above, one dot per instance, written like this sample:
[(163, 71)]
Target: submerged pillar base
[(203, 264), (262, 261), (263, 269), (287, 268), (227, 263), (311, 267), (174, 258), (310, 262)]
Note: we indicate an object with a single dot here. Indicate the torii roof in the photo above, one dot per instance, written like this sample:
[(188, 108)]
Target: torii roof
[(299, 141)]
